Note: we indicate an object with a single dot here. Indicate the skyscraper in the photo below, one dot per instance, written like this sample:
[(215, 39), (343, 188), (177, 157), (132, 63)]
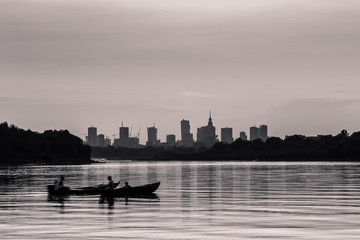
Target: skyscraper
[(170, 139), (123, 132), (206, 136), (263, 132), (152, 136), (101, 140), (227, 135), (243, 136), (107, 142), (254, 133), (92, 136), (125, 139), (186, 137)]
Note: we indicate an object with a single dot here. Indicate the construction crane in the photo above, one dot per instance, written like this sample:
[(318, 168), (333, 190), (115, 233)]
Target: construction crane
[(138, 135)]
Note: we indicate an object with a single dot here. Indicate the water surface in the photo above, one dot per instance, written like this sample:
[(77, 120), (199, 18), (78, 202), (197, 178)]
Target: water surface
[(196, 200)]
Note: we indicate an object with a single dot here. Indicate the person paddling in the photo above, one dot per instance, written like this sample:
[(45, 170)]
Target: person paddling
[(59, 183), (110, 185)]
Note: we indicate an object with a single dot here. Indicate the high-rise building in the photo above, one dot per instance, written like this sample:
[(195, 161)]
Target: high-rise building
[(263, 132), (152, 136), (107, 142), (227, 135), (206, 136), (186, 137), (101, 140), (92, 136), (124, 132), (254, 133), (170, 139), (243, 136), (125, 139)]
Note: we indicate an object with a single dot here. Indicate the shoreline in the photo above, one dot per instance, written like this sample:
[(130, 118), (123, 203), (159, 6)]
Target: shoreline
[(234, 160)]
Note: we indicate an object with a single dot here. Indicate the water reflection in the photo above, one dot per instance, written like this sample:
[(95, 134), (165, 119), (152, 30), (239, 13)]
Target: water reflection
[(199, 200)]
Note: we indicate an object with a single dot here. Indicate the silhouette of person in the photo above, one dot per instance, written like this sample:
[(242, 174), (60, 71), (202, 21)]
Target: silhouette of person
[(110, 185), (59, 183), (127, 185)]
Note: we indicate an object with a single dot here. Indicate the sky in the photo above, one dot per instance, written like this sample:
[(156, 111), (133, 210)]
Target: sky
[(70, 64)]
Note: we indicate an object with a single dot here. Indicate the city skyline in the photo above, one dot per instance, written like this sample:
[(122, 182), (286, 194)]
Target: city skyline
[(206, 136), (73, 64)]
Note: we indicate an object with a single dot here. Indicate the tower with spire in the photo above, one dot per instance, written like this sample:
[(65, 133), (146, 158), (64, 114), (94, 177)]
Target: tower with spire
[(210, 123), (206, 135)]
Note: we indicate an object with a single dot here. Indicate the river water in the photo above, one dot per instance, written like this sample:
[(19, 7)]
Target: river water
[(196, 200)]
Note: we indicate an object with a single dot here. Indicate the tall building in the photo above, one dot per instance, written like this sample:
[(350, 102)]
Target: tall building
[(92, 136), (125, 139), (107, 142), (101, 140), (227, 135), (243, 136), (124, 132), (254, 133), (206, 136), (170, 139), (152, 136), (263, 132), (186, 137)]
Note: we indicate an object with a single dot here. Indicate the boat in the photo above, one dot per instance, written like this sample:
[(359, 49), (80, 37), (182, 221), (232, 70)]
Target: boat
[(143, 190), (78, 191)]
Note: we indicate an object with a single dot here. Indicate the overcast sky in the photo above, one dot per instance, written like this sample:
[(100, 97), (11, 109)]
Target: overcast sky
[(69, 64)]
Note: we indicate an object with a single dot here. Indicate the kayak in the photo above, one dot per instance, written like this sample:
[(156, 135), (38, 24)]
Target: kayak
[(77, 191), (142, 190)]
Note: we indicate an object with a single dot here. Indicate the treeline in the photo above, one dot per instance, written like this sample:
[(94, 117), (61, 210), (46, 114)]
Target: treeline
[(147, 153), (25, 146), (297, 147)]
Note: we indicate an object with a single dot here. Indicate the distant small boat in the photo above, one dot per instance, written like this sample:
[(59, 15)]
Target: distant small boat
[(77, 191), (142, 190)]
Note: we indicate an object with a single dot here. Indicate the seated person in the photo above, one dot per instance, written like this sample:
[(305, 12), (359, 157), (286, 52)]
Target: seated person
[(59, 184), (110, 185), (127, 185)]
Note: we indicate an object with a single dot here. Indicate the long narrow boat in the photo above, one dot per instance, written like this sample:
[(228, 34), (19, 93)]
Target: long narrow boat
[(77, 191), (142, 190)]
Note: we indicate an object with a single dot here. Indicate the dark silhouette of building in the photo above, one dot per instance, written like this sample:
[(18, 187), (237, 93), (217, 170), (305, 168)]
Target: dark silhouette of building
[(186, 137), (125, 139), (259, 133), (123, 132), (107, 142), (227, 135), (263, 132), (171, 139), (152, 136), (206, 136), (254, 133), (101, 140), (92, 136), (243, 136)]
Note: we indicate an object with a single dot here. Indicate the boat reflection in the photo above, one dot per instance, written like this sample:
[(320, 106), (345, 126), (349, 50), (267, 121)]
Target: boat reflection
[(136, 198), (58, 199)]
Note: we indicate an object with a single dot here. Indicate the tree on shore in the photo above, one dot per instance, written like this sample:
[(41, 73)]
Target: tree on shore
[(19, 145)]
